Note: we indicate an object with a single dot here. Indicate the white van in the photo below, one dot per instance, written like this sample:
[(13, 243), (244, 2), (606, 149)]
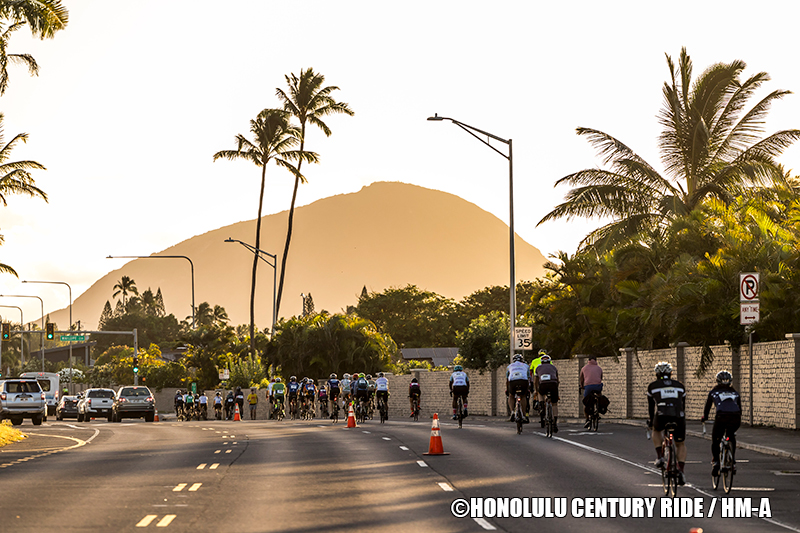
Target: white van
[(49, 381)]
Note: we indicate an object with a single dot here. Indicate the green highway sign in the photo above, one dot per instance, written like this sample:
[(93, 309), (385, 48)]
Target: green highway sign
[(73, 337)]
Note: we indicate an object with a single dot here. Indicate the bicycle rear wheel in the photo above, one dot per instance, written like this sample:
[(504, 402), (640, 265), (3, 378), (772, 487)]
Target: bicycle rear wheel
[(460, 411), (595, 422), (548, 418), (518, 416), (726, 466)]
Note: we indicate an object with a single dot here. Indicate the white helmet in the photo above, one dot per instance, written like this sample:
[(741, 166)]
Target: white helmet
[(663, 369)]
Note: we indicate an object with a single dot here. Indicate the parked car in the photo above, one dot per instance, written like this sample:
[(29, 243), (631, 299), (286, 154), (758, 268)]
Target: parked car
[(67, 408), (22, 398), (133, 402), (95, 403)]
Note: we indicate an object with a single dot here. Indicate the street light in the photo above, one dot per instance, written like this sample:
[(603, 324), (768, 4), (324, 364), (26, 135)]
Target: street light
[(513, 286), (21, 336), (42, 304), (162, 257), (70, 322), (274, 266)]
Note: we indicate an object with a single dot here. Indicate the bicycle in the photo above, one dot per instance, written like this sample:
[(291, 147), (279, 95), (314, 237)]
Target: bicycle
[(549, 421), (727, 466), (293, 408), (519, 419), (277, 410), (415, 401), (460, 410), (361, 414), (335, 414), (383, 410), (669, 471), (594, 412)]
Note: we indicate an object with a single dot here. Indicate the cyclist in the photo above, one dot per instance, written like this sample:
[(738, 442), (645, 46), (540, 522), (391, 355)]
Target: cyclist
[(217, 402), (178, 403), (371, 388), (240, 401), (278, 392), (188, 403), (252, 400), (230, 401), (666, 402), (459, 386), (382, 391), (518, 377), (546, 380), (293, 388), (728, 417), (346, 390), (362, 390), (333, 389), (591, 380), (310, 394), (203, 403), (322, 396), (269, 398), (414, 392)]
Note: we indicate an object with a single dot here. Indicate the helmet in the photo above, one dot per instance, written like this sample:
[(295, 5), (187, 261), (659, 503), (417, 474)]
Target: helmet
[(663, 369), (346, 376), (277, 380), (369, 376), (518, 358), (724, 377), (380, 374), (542, 352), (293, 378), (218, 394), (414, 380), (458, 368), (333, 376), (546, 359), (361, 375), (305, 379)]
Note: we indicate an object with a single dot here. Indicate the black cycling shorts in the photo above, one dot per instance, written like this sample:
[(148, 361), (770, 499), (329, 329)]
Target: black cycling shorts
[(660, 422), (551, 387), (518, 385)]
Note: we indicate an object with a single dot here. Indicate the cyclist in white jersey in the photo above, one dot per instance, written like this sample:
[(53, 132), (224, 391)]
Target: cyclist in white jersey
[(382, 391), (346, 392), (518, 378), (459, 386)]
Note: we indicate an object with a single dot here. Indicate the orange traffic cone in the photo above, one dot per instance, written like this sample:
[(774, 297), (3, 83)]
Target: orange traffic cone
[(351, 418), (155, 417), (236, 416), (435, 447)]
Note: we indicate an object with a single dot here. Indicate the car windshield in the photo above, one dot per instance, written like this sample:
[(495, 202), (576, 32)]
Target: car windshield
[(102, 394), (135, 392), (22, 386)]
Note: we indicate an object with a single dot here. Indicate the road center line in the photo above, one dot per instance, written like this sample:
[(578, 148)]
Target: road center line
[(201, 466), (194, 487), (144, 522), (164, 522), (214, 466), (179, 487)]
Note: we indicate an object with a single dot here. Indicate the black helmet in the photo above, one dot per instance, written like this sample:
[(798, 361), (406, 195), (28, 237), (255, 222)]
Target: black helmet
[(414, 380), (724, 377)]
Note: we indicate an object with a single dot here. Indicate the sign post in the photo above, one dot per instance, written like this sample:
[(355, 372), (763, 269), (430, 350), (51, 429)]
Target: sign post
[(749, 314)]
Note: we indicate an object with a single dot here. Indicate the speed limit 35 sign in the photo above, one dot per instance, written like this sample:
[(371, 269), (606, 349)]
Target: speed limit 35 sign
[(523, 338)]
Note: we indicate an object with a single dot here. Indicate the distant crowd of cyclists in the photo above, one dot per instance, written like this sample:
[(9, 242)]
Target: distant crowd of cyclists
[(666, 398)]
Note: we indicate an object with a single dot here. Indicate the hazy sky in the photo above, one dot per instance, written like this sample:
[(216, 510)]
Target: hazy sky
[(134, 98)]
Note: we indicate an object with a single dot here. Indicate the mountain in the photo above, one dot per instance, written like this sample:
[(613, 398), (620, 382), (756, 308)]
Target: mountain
[(385, 235)]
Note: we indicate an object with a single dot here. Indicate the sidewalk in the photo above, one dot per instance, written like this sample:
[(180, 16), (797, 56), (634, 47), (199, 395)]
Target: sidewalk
[(770, 441)]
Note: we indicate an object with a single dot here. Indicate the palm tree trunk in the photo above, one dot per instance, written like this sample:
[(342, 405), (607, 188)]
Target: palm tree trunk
[(255, 264), (291, 220)]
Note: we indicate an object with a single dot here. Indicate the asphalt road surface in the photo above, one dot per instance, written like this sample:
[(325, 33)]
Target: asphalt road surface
[(304, 476)]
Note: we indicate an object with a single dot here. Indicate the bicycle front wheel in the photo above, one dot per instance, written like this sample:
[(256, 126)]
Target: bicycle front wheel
[(726, 463)]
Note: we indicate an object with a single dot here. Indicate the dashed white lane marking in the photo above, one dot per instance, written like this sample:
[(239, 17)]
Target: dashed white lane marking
[(484, 524), (201, 466), (164, 522), (362, 431), (446, 487), (386, 438), (214, 466), (217, 451), (403, 448), (179, 487), (423, 464), (194, 487), (144, 522)]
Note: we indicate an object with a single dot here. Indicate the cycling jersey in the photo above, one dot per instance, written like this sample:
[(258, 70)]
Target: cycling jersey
[(725, 398), (189, 400), (346, 385), (517, 371), (278, 389), (547, 373), (203, 399), (382, 384), (323, 394), (362, 384), (293, 388), (414, 390), (666, 397), (217, 400), (310, 388), (459, 379), (333, 384)]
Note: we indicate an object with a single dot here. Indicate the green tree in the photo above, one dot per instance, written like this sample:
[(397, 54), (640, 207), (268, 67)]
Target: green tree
[(483, 345), (105, 316), (125, 287), (274, 140), (709, 146), (208, 351), (309, 102), (6, 58)]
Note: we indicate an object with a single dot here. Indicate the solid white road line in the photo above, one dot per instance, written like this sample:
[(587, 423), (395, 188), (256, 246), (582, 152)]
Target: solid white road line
[(144, 522)]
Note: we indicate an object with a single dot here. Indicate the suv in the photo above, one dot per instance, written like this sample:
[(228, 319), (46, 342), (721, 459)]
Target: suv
[(22, 398), (133, 402), (95, 403)]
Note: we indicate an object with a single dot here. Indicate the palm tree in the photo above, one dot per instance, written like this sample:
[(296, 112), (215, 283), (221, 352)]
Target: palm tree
[(14, 175), (45, 17), (275, 139), (709, 148), (309, 102), (125, 286), (5, 57)]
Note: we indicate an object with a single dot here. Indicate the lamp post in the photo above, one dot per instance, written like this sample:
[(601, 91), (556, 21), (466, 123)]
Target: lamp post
[(163, 257), (21, 335), (70, 321), (513, 285), (41, 346), (274, 266)]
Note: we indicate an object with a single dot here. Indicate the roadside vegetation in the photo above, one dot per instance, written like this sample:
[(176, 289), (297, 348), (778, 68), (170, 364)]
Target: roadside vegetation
[(9, 434)]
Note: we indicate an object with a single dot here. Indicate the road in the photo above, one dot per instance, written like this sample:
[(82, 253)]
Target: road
[(308, 476)]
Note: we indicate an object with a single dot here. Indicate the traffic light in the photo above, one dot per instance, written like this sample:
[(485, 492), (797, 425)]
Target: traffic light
[(135, 364), (50, 330), (6, 331)]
